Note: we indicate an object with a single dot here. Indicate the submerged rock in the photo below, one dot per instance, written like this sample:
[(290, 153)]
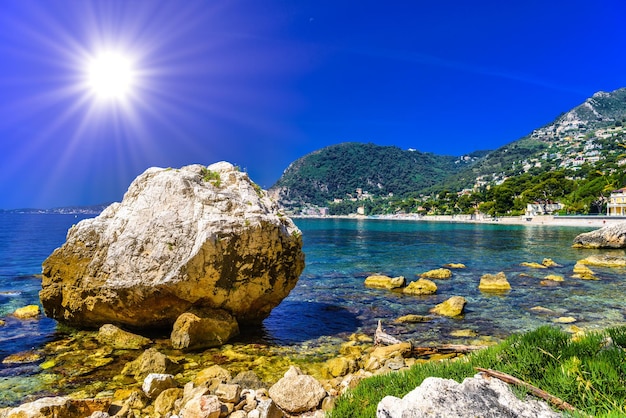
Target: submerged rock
[(604, 260), (451, 307), (581, 271), (475, 397), (494, 283), (201, 237), (384, 282), (118, 338), (454, 265), (612, 236), (420, 287)]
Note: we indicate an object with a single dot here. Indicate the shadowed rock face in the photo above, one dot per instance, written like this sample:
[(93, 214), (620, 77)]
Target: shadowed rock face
[(196, 237), (612, 236)]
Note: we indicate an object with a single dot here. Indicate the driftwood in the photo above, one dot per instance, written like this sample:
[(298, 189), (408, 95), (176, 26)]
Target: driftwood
[(507, 378), (382, 338)]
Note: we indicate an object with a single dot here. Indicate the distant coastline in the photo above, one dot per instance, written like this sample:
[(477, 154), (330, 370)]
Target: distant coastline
[(589, 221)]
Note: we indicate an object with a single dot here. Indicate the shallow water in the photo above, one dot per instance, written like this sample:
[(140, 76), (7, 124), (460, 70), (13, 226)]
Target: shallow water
[(330, 301)]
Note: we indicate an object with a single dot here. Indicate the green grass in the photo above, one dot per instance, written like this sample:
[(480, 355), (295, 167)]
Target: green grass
[(211, 176), (588, 372)]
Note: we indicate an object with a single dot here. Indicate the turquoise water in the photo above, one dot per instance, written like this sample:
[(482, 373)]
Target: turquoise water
[(330, 301)]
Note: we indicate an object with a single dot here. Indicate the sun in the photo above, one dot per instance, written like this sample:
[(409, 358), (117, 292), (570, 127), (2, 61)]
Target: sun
[(110, 75)]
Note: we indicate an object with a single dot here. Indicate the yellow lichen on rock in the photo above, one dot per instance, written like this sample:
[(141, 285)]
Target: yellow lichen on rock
[(451, 307), (437, 274), (420, 287), (494, 283), (384, 282)]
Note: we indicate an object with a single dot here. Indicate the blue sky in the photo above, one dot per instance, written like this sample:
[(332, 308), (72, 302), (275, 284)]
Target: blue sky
[(260, 84)]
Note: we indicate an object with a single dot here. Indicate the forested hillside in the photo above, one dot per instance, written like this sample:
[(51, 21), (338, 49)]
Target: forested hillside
[(345, 170)]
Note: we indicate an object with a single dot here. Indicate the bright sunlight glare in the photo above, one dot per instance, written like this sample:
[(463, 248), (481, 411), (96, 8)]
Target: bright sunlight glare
[(110, 76)]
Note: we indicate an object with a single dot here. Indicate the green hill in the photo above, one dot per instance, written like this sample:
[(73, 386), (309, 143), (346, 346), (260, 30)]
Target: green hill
[(338, 171)]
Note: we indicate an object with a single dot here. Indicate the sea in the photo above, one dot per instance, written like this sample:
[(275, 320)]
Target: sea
[(330, 301)]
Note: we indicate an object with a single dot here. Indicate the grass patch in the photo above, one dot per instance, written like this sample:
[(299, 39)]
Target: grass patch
[(211, 176), (588, 372)]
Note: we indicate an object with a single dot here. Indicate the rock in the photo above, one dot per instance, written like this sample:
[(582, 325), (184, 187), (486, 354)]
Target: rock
[(201, 406), (268, 409), (542, 310), (296, 393), (209, 328), (228, 393), (467, 333), (612, 236), (22, 358), (437, 274), (581, 271), (533, 265), (548, 262), (27, 312), (117, 338), (451, 307), (155, 383), (549, 283), (554, 277), (604, 260), (494, 283), (381, 354), (475, 397), (248, 380), (205, 376), (412, 318), (150, 361), (54, 407), (340, 366), (565, 320), (194, 237), (384, 282), (420, 287), (454, 265), (166, 401)]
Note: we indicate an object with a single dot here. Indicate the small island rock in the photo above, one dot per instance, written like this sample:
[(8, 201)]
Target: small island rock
[(420, 287), (612, 236), (384, 282), (196, 237), (451, 307), (437, 274), (494, 283)]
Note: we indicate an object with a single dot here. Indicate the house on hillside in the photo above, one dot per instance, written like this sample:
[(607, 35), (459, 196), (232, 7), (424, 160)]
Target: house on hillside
[(617, 203), (542, 208)]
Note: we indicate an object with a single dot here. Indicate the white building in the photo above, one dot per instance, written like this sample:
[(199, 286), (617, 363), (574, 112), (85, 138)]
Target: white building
[(617, 203)]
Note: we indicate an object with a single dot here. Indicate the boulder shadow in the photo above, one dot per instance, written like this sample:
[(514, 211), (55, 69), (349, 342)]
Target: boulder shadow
[(294, 322)]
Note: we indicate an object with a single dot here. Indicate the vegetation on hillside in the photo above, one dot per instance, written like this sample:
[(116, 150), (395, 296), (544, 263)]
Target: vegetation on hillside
[(577, 161), (588, 372)]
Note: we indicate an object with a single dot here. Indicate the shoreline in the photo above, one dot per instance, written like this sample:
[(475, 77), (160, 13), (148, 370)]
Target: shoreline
[(539, 220)]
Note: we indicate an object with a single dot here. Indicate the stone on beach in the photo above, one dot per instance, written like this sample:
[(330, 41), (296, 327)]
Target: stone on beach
[(451, 307), (494, 283), (611, 236), (475, 397), (437, 274), (384, 282), (297, 392), (210, 328), (420, 287), (196, 237)]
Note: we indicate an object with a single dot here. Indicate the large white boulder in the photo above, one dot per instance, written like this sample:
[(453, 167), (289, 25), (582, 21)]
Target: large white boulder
[(195, 237), (475, 397)]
